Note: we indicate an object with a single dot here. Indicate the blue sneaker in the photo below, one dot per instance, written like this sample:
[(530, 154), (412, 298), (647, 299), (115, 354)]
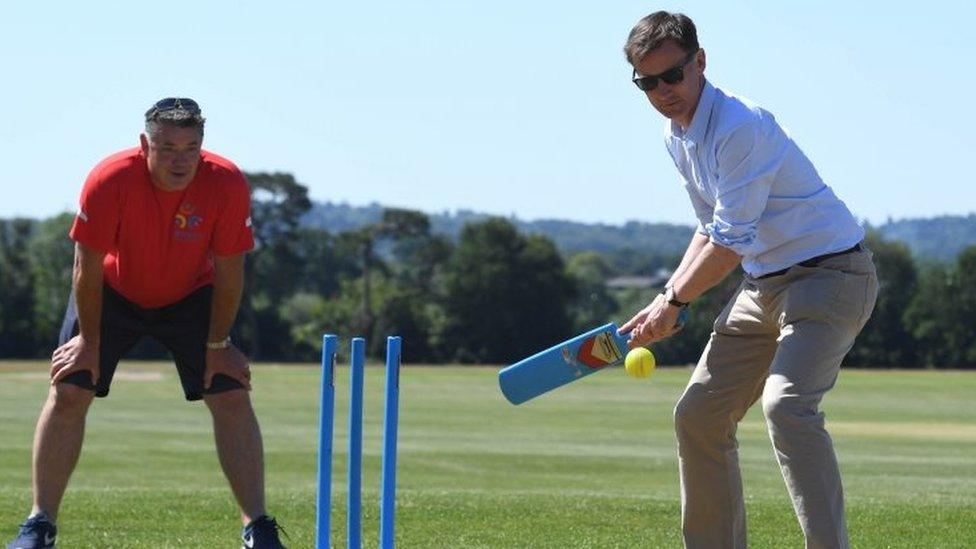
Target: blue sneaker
[(262, 533), (37, 532)]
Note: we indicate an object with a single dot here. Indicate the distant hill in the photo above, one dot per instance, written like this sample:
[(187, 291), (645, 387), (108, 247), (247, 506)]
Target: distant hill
[(938, 238), (569, 236)]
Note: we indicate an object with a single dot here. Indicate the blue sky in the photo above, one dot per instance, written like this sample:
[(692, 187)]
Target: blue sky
[(508, 107)]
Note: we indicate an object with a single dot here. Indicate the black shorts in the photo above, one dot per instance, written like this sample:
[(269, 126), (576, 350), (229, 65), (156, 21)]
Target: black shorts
[(181, 327)]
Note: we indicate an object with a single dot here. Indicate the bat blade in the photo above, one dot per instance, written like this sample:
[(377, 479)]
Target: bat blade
[(564, 363)]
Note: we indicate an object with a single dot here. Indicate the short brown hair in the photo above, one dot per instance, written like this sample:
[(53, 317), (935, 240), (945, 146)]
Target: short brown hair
[(657, 28)]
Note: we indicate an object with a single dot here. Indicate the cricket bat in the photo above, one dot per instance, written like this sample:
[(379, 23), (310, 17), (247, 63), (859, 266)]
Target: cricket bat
[(583, 355)]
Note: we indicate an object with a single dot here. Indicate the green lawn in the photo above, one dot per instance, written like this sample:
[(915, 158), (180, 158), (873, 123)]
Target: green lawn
[(591, 465)]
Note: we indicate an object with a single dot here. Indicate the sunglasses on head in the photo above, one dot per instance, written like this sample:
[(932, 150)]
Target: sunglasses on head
[(674, 75), (173, 104)]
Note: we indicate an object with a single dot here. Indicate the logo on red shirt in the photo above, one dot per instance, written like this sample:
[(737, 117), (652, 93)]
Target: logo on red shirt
[(185, 223)]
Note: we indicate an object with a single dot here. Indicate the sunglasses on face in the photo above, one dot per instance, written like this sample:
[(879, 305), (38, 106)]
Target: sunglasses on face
[(674, 75), (172, 104)]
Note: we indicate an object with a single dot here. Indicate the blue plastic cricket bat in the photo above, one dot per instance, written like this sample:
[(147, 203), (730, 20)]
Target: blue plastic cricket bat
[(574, 359), (564, 363)]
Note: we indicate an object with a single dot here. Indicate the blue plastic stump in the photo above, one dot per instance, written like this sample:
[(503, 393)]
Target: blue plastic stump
[(390, 420), (356, 363), (323, 502)]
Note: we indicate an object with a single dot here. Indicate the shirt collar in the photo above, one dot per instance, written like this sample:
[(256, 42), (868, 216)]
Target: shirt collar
[(699, 122)]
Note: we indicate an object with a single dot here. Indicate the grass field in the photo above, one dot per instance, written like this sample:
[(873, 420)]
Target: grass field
[(592, 465)]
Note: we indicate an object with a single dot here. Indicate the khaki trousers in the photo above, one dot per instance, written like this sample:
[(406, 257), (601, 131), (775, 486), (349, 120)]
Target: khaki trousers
[(782, 338)]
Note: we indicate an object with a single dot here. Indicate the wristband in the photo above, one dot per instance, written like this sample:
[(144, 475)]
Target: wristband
[(222, 344)]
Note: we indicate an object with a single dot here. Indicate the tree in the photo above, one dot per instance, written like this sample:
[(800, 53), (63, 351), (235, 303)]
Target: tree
[(415, 310), (397, 224), (51, 258), (927, 316), (17, 332), (322, 262), (278, 202), (349, 284), (594, 303), (885, 340), (941, 312), (960, 333), (507, 295), (307, 315), (419, 262)]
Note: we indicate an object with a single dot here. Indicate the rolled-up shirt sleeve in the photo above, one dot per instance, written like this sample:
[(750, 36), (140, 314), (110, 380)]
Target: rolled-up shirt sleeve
[(703, 211), (747, 165)]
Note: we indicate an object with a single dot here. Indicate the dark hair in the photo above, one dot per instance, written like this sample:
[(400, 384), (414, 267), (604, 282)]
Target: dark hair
[(179, 112), (657, 28)]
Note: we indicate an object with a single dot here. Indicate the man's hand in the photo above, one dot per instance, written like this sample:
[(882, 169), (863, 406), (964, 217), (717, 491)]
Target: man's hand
[(653, 323), (76, 355), (230, 362)]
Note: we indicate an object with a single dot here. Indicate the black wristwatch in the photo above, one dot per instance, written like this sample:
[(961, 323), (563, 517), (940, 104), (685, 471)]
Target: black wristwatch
[(672, 299)]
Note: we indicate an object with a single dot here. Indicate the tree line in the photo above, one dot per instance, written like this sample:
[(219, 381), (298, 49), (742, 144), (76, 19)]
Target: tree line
[(492, 295)]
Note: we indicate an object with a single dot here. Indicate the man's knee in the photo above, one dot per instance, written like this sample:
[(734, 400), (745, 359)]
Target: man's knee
[(784, 410), (67, 400), (692, 413), (233, 403)]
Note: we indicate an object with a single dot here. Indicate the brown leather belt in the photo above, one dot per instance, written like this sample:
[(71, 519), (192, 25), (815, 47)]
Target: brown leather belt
[(814, 261)]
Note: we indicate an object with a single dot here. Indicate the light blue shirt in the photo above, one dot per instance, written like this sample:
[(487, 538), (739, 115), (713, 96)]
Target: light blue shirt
[(753, 189)]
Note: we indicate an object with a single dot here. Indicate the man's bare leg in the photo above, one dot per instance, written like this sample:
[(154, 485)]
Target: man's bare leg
[(240, 449), (57, 444)]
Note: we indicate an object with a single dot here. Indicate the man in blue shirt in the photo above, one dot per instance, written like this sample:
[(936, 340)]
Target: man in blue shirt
[(808, 289)]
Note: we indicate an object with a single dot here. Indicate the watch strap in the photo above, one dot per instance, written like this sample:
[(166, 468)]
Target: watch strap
[(222, 344), (670, 297)]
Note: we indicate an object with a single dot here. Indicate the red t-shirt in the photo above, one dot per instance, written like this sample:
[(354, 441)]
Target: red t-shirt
[(159, 245)]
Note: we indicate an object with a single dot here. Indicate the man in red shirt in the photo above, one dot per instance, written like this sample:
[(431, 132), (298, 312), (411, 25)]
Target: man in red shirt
[(160, 239)]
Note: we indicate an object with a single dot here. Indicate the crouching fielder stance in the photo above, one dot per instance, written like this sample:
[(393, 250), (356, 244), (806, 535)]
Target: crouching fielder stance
[(160, 239), (808, 289)]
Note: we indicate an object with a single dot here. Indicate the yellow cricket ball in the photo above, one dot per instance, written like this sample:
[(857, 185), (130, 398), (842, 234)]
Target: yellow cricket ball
[(639, 362)]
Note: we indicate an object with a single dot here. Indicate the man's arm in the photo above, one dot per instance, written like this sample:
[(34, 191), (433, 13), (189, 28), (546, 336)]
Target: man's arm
[(708, 267), (698, 241), (694, 249), (712, 264), (227, 290), (81, 351)]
